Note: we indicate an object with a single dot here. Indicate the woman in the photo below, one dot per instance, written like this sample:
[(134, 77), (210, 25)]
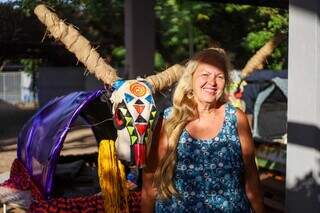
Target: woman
[(204, 159)]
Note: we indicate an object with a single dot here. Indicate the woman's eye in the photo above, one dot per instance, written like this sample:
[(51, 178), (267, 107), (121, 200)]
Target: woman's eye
[(221, 77)]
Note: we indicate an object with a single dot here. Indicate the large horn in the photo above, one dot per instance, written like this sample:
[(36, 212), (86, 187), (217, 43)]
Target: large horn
[(76, 44), (166, 78), (257, 60)]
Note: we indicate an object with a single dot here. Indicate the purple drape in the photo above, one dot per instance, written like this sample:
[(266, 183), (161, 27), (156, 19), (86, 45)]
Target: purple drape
[(41, 138)]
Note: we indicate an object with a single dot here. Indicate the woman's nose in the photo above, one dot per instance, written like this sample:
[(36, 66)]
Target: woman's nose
[(213, 81)]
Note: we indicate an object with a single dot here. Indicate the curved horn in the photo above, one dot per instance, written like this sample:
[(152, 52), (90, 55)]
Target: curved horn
[(76, 44), (166, 78), (258, 59)]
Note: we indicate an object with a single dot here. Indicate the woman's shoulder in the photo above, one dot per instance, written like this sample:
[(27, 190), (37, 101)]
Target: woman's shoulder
[(242, 120), (236, 114), (239, 113), (229, 107)]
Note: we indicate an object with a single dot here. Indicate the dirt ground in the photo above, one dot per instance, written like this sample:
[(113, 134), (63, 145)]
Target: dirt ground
[(12, 119), (80, 141)]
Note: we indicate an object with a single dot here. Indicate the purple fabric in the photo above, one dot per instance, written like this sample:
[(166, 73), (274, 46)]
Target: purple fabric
[(41, 139)]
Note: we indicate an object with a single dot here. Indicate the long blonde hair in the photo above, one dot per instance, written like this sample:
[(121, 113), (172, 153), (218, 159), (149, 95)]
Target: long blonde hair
[(183, 112)]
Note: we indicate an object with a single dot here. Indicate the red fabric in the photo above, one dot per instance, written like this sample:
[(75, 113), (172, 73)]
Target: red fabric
[(20, 179), (134, 201), (82, 204)]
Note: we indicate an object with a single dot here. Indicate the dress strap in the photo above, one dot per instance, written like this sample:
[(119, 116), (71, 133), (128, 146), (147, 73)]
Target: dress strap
[(231, 114)]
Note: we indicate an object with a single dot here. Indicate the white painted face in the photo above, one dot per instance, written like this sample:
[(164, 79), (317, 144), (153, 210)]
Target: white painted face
[(134, 115)]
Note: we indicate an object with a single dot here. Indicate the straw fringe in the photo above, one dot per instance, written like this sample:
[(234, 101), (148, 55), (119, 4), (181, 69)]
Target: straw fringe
[(112, 178)]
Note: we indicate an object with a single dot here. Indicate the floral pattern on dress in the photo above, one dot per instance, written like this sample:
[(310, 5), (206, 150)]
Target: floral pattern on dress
[(209, 173)]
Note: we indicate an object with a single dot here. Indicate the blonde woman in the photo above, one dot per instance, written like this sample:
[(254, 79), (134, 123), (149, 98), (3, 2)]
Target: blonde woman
[(204, 159)]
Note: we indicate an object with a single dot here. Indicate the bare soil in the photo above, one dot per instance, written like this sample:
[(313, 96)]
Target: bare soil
[(12, 119)]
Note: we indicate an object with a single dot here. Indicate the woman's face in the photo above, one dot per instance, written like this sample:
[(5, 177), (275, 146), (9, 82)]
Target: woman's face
[(208, 83)]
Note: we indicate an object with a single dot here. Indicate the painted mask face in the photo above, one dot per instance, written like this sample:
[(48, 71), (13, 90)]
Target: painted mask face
[(134, 117)]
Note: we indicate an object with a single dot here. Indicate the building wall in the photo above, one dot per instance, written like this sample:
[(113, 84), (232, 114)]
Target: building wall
[(303, 149), (58, 81)]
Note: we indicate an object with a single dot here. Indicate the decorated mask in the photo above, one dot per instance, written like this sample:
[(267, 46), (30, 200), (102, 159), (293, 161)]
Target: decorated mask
[(134, 117)]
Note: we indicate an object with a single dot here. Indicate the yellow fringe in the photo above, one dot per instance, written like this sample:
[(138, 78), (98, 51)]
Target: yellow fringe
[(112, 178)]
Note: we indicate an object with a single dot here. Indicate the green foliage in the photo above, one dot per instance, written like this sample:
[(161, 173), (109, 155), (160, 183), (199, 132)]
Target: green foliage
[(30, 66), (159, 62), (182, 27), (273, 21), (177, 33), (100, 21), (118, 56), (27, 6), (255, 40), (188, 26)]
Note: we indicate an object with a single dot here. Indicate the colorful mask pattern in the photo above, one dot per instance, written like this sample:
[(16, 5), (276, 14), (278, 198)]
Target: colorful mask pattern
[(134, 115)]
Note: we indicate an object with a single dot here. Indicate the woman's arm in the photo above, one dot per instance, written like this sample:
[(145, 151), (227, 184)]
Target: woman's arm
[(155, 155), (251, 178)]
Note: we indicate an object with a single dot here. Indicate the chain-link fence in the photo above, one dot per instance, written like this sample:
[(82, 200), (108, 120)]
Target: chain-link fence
[(15, 87)]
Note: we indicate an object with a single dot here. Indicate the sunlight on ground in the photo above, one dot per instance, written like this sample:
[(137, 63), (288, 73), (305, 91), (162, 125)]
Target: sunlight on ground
[(80, 141)]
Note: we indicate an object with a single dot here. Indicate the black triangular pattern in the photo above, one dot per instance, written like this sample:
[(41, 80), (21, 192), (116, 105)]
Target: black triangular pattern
[(124, 106), (140, 119), (128, 114), (139, 102)]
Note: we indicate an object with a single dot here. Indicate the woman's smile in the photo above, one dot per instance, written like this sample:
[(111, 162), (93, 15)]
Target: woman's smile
[(210, 90)]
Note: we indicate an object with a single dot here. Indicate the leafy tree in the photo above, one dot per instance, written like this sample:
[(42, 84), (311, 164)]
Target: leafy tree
[(101, 21), (177, 33), (182, 27), (186, 26)]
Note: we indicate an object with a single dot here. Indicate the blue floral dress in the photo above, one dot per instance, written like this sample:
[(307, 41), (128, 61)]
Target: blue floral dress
[(209, 173)]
